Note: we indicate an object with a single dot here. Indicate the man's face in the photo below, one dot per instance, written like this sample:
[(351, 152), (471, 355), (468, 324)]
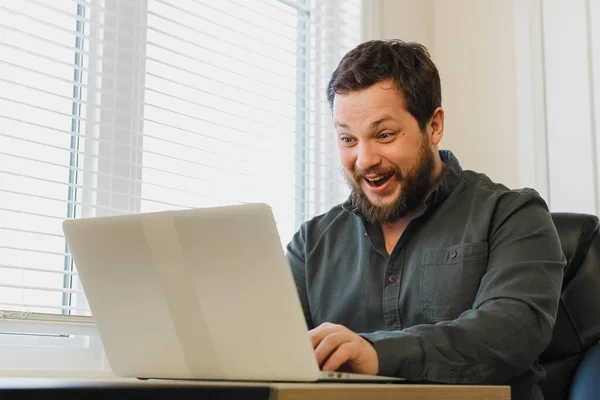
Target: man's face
[(387, 160)]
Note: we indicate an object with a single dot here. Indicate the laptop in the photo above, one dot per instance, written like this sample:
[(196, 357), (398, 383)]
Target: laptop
[(196, 294)]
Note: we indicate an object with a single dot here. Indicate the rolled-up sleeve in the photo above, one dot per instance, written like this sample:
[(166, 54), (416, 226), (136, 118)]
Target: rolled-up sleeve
[(513, 314)]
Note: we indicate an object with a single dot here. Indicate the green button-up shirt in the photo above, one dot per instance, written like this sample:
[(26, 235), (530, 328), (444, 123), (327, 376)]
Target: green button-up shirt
[(468, 295)]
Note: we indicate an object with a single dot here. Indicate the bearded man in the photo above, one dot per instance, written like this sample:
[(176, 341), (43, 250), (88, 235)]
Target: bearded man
[(427, 272)]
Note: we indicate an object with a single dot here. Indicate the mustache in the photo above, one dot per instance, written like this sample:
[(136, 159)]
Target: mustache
[(361, 173)]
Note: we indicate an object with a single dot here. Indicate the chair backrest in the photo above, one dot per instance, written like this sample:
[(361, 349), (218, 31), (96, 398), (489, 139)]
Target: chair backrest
[(577, 326)]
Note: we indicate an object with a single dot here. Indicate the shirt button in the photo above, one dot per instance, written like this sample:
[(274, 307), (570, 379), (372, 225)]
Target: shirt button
[(453, 254), (392, 279)]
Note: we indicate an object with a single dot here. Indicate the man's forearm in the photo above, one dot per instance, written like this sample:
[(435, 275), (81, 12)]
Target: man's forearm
[(491, 344)]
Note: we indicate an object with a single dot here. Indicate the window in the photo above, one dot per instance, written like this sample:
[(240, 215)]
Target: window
[(110, 107)]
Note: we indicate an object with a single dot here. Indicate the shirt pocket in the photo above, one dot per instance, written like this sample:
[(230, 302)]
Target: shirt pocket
[(449, 279)]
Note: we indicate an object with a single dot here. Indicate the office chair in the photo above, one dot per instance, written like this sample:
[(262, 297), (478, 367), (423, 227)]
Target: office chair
[(572, 359)]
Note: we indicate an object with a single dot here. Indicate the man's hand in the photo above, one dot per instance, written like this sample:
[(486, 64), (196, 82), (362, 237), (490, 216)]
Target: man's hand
[(336, 346)]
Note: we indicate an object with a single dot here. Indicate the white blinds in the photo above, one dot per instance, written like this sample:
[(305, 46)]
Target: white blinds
[(114, 106)]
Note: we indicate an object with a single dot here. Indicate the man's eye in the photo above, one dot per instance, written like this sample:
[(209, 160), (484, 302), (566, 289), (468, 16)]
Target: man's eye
[(346, 139), (385, 135)]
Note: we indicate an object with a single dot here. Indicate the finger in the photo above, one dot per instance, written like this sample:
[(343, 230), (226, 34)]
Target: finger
[(319, 333), (347, 351), (329, 344)]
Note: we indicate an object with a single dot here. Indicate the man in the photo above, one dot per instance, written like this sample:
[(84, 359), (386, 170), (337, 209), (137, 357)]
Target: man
[(428, 271)]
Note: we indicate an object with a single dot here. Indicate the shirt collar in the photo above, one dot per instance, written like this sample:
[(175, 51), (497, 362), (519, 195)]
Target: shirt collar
[(448, 180)]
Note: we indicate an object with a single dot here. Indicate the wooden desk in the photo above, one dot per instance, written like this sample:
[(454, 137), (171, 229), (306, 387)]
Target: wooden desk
[(66, 389)]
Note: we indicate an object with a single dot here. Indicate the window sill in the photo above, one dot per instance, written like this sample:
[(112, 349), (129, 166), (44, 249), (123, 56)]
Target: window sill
[(74, 374)]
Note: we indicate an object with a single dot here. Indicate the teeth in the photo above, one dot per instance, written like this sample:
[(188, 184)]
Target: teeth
[(376, 178)]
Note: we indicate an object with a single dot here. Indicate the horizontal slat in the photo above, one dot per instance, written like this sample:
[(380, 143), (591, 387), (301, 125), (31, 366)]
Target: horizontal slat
[(231, 28), (19, 326), (321, 14), (249, 18), (233, 112), (71, 202), (42, 270), (258, 59), (39, 288), (134, 117), (237, 3), (139, 117), (114, 211), (301, 11), (26, 231), (168, 171), (127, 179), (74, 67), (92, 139), (62, 46), (3, 304), (303, 8), (132, 50), (134, 135), (76, 18), (281, 146), (51, 253), (96, 5), (125, 65), (89, 189), (120, 195), (147, 151), (313, 166), (171, 81), (102, 42), (83, 153), (81, 320), (238, 72), (31, 213), (300, 96), (194, 73), (149, 89), (257, 135), (242, 5)]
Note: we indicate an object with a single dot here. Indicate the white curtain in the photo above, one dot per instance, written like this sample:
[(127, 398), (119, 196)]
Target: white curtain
[(571, 76)]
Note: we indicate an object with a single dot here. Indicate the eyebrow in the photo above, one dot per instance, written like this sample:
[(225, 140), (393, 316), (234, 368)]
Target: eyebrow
[(379, 121), (371, 125)]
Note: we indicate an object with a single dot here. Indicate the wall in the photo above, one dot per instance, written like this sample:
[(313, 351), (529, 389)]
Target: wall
[(476, 60), (520, 86), (472, 43), (572, 86)]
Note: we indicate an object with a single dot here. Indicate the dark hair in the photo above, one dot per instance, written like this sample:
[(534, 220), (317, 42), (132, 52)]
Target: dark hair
[(408, 65)]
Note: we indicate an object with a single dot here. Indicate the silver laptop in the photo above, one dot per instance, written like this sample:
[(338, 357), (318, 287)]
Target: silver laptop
[(195, 294)]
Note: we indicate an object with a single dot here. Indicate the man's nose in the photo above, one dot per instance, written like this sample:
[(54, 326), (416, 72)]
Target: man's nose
[(367, 157)]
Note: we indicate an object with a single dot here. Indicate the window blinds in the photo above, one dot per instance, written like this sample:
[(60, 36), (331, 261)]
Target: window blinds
[(112, 107)]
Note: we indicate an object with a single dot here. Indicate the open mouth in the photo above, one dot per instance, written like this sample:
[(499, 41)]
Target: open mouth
[(376, 181)]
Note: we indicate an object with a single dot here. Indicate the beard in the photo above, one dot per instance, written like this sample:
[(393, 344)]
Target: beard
[(416, 184)]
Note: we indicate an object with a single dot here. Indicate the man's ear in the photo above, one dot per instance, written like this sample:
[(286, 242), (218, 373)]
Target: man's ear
[(436, 126)]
